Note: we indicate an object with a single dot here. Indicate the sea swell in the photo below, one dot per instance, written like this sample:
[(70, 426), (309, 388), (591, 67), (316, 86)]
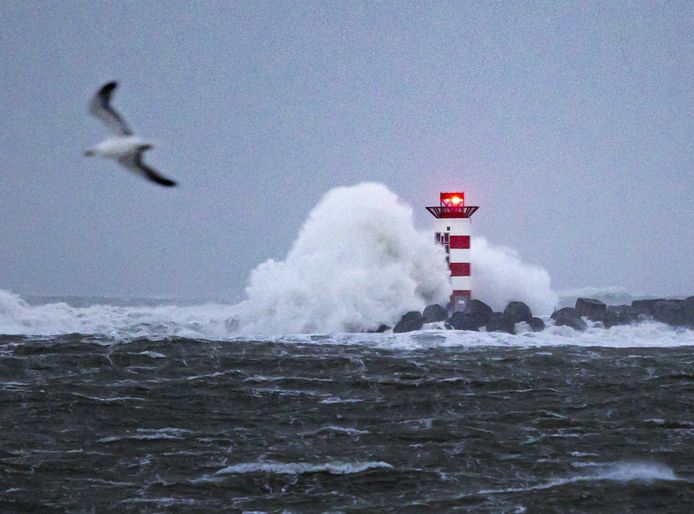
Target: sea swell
[(308, 420)]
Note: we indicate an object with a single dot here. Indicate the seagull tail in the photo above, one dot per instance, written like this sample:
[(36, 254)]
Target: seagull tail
[(162, 181)]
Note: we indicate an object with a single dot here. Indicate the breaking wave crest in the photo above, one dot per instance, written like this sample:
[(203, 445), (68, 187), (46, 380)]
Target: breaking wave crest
[(617, 472), (357, 263), (631, 471)]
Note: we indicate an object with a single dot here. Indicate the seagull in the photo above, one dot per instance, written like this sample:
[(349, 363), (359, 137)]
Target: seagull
[(124, 147)]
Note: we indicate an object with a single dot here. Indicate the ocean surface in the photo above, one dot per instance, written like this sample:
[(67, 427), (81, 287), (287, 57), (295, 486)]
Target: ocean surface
[(109, 408)]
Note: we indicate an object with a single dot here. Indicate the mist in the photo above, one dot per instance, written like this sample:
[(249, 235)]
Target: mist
[(359, 262)]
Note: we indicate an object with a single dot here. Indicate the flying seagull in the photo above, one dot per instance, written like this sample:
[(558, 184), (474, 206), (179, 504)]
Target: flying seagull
[(124, 147)]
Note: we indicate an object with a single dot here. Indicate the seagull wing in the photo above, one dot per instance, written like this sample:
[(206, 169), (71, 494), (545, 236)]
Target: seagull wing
[(134, 163), (101, 108)]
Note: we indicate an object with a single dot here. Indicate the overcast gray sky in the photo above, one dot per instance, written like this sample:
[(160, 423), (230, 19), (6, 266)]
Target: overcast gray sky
[(570, 124)]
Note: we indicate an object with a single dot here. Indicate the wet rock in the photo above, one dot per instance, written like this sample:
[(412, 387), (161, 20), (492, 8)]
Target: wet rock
[(645, 307), (479, 311), (564, 311), (517, 312), (462, 321), (536, 324), (434, 313), (670, 312), (620, 315), (499, 322), (411, 321), (593, 309), (688, 308), (569, 317), (381, 328)]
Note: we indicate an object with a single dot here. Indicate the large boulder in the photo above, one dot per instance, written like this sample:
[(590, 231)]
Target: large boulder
[(479, 312), (645, 307), (569, 317), (688, 308), (620, 315), (434, 313), (499, 322), (536, 324), (463, 321), (671, 312), (517, 312), (411, 321), (564, 311), (593, 309)]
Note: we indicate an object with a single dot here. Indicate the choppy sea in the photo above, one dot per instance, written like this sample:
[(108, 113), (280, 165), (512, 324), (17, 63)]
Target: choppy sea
[(113, 408)]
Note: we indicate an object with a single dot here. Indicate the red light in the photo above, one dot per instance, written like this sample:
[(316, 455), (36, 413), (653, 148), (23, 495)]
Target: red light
[(456, 199)]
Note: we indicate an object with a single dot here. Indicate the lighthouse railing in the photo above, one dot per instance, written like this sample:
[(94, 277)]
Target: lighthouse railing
[(453, 212)]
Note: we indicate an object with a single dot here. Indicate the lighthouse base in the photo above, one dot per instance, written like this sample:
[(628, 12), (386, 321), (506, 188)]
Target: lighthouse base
[(459, 300)]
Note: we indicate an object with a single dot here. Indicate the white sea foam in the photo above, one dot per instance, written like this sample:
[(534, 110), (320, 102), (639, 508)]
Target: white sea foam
[(646, 472), (210, 322), (164, 502), (146, 434), (643, 335), (335, 429), (299, 468), (153, 355), (207, 321)]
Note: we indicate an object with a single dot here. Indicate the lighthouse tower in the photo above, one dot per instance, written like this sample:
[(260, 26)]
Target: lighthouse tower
[(453, 232)]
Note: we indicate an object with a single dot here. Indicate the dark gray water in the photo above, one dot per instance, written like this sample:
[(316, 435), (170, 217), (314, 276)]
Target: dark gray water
[(184, 426)]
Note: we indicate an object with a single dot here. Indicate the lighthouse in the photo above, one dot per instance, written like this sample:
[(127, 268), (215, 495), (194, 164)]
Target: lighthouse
[(452, 228)]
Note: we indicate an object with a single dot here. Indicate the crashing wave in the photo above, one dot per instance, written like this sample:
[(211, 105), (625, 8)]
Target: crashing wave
[(357, 263)]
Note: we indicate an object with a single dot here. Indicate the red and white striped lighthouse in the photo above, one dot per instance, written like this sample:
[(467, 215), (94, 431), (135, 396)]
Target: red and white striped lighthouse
[(453, 232)]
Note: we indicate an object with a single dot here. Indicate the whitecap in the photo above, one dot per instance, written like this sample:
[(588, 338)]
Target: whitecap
[(147, 434), (300, 468), (646, 472), (336, 429)]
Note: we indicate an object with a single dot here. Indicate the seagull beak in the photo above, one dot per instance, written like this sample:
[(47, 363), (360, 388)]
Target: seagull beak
[(89, 153)]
